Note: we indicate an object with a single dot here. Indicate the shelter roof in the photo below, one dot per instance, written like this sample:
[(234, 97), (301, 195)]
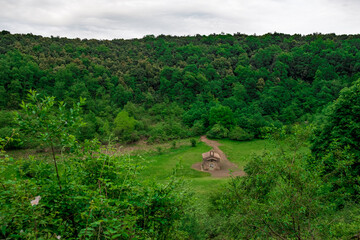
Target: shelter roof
[(210, 154)]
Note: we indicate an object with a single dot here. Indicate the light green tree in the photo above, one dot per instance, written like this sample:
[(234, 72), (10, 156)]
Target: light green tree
[(50, 122), (124, 125)]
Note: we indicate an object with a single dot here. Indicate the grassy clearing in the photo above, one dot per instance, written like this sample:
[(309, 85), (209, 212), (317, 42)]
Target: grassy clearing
[(241, 152), (162, 165), (163, 159)]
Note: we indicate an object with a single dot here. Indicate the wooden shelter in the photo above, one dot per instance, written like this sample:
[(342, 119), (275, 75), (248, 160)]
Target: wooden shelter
[(211, 161)]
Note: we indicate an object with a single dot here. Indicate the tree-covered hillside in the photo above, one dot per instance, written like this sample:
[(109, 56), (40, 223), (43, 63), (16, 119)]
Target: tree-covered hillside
[(166, 87), (302, 183)]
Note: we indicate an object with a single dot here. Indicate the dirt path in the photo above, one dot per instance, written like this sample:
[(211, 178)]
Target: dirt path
[(225, 164)]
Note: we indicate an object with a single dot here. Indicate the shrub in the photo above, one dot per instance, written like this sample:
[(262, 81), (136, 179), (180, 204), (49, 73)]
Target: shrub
[(166, 131), (7, 127), (217, 131), (193, 142), (102, 196), (198, 128), (89, 195), (124, 126), (240, 134), (221, 115)]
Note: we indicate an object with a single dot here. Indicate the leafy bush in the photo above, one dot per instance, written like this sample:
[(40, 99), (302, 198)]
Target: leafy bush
[(198, 128), (124, 126), (166, 131), (221, 115), (217, 131), (102, 196), (89, 194), (193, 142), (7, 127), (240, 134)]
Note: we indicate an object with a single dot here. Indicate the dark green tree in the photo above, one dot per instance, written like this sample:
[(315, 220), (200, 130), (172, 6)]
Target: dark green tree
[(221, 115), (336, 145)]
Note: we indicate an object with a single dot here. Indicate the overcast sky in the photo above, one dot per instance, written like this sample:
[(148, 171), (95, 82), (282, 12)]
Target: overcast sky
[(108, 19)]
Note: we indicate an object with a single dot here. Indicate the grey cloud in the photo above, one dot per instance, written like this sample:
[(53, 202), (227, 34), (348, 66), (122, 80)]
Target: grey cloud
[(109, 19)]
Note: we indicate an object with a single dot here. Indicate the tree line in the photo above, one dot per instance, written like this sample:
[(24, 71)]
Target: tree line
[(167, 87)]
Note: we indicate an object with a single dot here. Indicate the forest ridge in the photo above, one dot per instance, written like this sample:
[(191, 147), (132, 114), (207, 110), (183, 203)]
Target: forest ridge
[(165, 87)]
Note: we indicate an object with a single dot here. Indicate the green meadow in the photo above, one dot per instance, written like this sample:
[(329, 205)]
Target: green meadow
[(160, 166), (163, 160)]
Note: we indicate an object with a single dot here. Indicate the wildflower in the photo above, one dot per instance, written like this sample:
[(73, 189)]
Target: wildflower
[(58, 237), (35, 201)]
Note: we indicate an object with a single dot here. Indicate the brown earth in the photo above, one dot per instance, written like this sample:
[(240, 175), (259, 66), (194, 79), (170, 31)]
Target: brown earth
[(227, 168)]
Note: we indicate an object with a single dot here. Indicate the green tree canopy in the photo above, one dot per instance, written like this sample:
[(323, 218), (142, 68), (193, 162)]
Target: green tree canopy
[(336, 144), (124, 125), (221, 115)]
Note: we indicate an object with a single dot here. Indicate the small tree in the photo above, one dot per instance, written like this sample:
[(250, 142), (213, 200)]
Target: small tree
[(221, 115), (124, 125), (50, 122)]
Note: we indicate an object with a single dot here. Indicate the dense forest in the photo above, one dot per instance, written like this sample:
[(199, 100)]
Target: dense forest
[(67, 97), (161, 88)]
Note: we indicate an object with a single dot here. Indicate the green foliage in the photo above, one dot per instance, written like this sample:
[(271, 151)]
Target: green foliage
[(198, 128), (239, 134), (217, 131), (193, 142), (336, 144), (347, 223), (221, 115), (124, 126), (239, 92), (50, 122), (237, 86), (102, 197), (262, 79), (273, 205), (196, 113), (99, 195), (166, 131), (7, 128), (279, 198), (159, 149)]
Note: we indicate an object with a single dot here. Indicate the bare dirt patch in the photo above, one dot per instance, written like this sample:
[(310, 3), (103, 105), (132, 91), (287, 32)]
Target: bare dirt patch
[(227, 168), (141, 147)]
